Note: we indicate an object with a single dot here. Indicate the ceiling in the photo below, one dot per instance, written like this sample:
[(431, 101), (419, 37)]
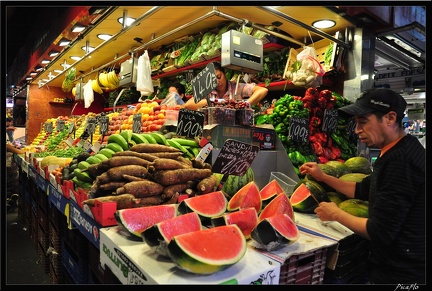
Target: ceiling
[(159, 26)]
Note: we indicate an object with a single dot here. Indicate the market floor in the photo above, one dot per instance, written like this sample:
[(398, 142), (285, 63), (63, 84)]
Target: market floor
[(22, 261)]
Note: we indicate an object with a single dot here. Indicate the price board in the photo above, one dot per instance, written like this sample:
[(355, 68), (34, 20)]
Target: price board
[(48, 127), (350, 129), (136, 123), (299, 129), (235, 158), (330, 121), (91, 125), (103, 125), (190, 123), (204, 83), (60, 125)]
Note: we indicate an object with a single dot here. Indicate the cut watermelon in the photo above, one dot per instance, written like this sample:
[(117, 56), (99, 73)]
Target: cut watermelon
[(246, 219), (206, 206), (279, 205), (159, 235), (247, 196), (208, 251), (136, 220), (275, 232), (302, 200), (270, 191)]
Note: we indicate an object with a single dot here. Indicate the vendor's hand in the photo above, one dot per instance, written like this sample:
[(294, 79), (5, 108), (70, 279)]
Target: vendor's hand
[(326, 211), (313, 169)]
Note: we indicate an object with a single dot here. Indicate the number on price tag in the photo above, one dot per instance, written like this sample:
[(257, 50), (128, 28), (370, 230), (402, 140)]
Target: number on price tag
[(299, 130), (190, 123), (330, 121), (136, 124), (103, 125), (235, 158), (204, 83), (91, 125), (350, 129)]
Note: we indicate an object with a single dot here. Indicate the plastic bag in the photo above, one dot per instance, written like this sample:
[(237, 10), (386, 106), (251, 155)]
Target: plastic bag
[(172, 99), (311, 72), (88, 94), (144, 82)]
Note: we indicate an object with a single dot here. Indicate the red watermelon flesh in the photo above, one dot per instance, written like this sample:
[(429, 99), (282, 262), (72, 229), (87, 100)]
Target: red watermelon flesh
[(279, 205), (270, 190), (246, 219), (206, 205), (247, 196), (136, 220)]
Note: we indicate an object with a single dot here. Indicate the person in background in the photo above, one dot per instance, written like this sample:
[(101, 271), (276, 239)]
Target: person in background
[(178, 88), (10, 129), (11, 176), (226, 90), (395, 227)]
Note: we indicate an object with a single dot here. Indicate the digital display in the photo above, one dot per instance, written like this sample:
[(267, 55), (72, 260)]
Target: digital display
[(246, 56)]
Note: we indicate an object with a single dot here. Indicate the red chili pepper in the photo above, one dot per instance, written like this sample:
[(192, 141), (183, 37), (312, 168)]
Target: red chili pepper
[(327, 94)]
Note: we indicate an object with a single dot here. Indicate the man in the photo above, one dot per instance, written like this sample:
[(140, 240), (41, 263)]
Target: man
[(395, 191), (10, 129)]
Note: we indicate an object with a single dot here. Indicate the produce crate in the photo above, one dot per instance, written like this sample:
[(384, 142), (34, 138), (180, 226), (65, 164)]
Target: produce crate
[(74, 265), (305, 268), (44, 261)]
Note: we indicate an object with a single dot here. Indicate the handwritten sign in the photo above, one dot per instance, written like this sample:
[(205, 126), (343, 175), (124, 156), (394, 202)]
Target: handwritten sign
[(136, 123), (235, 158), (330, 121), (299, 129), (91, 125), (190, 123), (350, 129), (48, 127), (60, 125), (204, 83), (103, 125)]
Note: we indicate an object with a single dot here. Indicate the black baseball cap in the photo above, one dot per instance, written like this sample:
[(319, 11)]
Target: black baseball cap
[(383, 100)]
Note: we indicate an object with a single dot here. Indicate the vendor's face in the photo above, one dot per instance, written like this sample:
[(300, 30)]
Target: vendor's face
[(221, 79)]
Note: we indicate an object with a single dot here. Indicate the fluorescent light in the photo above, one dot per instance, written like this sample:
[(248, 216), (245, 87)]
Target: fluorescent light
[(129, 20), (64, 42), (53, 53), (33, 73), (324, 23), (58, 71), (78, 28), (75, 58), (90, 48), (104, 36), (44, 62)]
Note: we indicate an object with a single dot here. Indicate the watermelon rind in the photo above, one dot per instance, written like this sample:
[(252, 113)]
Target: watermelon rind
[(247, 196), (135, 220), (246, 219), (159, 235), (340, 167), (208, 251), (206, 206), (235, 183), (302, 199), (275, 232), (279, 205), (270, 191)]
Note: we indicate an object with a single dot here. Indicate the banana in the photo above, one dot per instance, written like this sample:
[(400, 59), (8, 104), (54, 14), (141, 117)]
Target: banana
[(114, 147), (118, 139), (139, 138), (96, 87), (160, 138), (150, 138), (126, 134), (179, 146), (186, 142)]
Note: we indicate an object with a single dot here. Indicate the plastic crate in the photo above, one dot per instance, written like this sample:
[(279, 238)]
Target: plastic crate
[(74, 265), (44, 261), (305, 268)]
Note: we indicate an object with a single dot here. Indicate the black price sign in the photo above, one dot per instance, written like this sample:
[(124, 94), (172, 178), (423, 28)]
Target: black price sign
[(190, 123), (136, 123), (71, 126), (91, 125), (235, 158), (299, 130), (350, 129), (48, 127), (330, 121), (60, 125), (204, 83), (103, 125)]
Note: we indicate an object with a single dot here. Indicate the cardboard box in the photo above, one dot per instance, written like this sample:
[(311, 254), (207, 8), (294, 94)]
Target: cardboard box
[(134, 263)]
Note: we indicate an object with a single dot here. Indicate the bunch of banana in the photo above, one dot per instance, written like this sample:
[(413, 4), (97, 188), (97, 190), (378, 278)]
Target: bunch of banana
[(67, 84), (109, 80), (96, 87)]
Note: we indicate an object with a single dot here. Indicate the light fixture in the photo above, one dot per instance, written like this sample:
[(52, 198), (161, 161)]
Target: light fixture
[(324, 23), (58, 71), (64, 42), (90, 48), (38, 68), (29, 78), (104, 36), (33, 73), (44, 62), (53, 53), (129, 20), (78, 28), (75, 58)]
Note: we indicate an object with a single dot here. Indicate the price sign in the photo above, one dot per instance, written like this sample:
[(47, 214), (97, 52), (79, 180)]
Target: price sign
[(48, 127), (299, 129), (350, 129), (103, 125), (71, 126), (330, 121), (235, 158), (136, 123), (204, 83), (190, 123), (91, 125), (60, 125)]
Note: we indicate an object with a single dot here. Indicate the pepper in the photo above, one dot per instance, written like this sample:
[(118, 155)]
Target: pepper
[(275, 118), (315, 121), (280, 128), (295, 105), (281, 109), (282, 138)]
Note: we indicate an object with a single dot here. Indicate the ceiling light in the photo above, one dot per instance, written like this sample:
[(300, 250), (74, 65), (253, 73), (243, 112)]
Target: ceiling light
[(38, 68), (44, 62), (78, 28), (90, 48), (129, 20), (58, 71), (75, 58), (29, 78), (64, 42), (324, 23), (104, 36), (33, 73), (53, 53)]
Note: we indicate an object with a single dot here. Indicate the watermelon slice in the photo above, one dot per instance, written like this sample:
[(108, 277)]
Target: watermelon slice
[(206, 206), (270, 191), (135, 220), (246, 219), (159, 235), (247, 196), (208, 251), (279, 205), (275, 232)]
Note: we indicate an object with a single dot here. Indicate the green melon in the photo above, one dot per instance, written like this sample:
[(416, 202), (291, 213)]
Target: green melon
[(353, 177), (235, 183), (270, 191), (246, 219), (208, 251), (135, 220), (340, 167), (159, 235), (307, 196), (326, 169), (275, 232), (359, 165), (335, 197), (206, 206), (356, 207), (279, 205), (247, 196)]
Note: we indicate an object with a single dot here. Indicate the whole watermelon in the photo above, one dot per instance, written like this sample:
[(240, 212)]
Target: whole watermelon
[(235, 183)]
